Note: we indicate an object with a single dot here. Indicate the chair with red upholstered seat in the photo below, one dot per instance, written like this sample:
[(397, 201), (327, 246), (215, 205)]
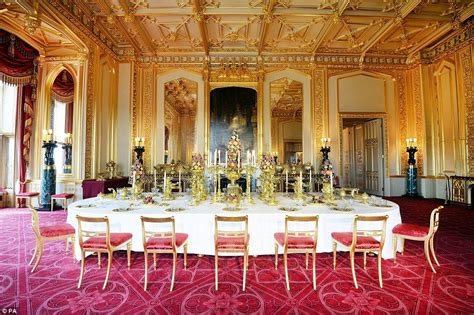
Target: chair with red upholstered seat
[(27, 195), (418, 233), (297, 241), (231, 241), (155, 242), (49, 233), (362, 240), (97, 241), (61, 197)]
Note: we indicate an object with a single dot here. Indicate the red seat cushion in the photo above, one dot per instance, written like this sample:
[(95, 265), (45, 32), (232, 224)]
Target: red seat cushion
[(166, 242), (67, 196), (227, 242), (411, 230), (363, 242), (294, 242), (116, 239), (27, 194), (57, 230)]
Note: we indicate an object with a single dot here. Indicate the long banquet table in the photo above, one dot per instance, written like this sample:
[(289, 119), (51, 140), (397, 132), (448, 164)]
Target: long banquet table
[(264, 220)]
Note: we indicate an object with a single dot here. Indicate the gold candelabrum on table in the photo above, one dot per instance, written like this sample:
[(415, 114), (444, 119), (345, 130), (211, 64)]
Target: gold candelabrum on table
[(216, 171), (249, 170), (267, 180), (298, 188), (328, 191), (198, 186), (168, 189)]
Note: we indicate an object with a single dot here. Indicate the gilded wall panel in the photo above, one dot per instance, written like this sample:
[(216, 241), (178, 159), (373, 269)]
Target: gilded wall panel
[(467, 82), (419, 117), (89, 113), (320, 103), (403, 119), (147, 113)]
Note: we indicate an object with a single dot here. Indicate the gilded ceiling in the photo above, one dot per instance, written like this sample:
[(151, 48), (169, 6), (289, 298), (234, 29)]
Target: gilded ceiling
[(264, 27)]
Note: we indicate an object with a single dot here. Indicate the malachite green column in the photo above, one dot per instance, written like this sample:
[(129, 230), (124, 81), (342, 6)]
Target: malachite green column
[(48, 180)]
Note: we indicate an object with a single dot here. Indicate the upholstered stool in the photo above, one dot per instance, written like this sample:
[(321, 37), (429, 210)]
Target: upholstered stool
[(27, 196), (62, 197)]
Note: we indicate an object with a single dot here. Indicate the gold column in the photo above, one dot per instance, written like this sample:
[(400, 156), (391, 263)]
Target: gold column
[(260, 77)]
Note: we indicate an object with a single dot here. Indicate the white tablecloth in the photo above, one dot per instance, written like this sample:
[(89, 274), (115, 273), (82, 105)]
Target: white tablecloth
[(264, 221)]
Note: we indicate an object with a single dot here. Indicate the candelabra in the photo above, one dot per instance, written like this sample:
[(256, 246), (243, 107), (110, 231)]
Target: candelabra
[(267, 179), (216, 171), (139, 148), (249, 170), (325, 148), (412, 170), (298, 188), (168, 189), (67, 147), (48, 180)]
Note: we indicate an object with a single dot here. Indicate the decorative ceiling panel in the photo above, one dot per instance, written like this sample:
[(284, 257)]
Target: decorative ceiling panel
[(267, 27)]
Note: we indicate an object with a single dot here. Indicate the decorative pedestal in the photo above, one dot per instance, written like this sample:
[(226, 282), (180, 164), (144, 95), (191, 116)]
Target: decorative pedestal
[(48, 180), (68, 160), (411, 182)]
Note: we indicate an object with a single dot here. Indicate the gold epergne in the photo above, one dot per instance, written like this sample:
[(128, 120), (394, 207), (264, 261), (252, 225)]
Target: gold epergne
[(198, 189), (328, 191), (234, 192), (267, 179)]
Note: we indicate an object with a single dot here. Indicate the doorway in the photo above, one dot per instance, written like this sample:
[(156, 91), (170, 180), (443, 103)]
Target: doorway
[(363, 154)]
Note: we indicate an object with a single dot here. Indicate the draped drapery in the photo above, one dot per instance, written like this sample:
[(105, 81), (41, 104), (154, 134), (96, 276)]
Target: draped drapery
[(63, 91), (18, 67)]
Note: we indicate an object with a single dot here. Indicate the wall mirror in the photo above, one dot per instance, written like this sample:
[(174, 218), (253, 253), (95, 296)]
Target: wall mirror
[(286, 105), (61, 120), (180, 119)]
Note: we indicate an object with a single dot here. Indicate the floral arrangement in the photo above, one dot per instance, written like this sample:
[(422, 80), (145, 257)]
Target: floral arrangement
[(137, 173), (148, 200), (267, 162), (197, 162), (234, 147), (110, 164), (326, 170)]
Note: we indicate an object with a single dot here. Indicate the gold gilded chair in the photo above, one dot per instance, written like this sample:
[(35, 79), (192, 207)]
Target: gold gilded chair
[(298, 242), (235, 241), (101, 242), (167, 242), (362, 241), (418, 233), (55, 232)]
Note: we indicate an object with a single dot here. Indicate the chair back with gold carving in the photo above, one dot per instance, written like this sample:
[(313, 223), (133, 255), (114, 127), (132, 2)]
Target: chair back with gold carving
[(373, 232), (296, 234), (91, 229)]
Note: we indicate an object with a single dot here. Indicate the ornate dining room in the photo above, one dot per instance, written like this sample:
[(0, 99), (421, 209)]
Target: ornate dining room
[(236, 156)]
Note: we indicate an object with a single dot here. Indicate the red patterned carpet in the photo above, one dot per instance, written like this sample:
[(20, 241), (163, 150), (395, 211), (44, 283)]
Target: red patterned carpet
[(409, 285)]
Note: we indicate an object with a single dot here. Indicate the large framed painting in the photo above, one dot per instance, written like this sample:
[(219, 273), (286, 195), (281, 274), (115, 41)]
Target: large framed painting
[(233, 108)]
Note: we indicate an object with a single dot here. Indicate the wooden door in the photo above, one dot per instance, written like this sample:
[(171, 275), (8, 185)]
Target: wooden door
[(374, 162)]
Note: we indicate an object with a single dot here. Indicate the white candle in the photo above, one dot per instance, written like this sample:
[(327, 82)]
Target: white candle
[(286, 173), (154, 176), (134, 178), (301, 174), (254, 158), (219, 154), (331, 180), (226, 155), (310, 179), (179, 180), (238, 159)]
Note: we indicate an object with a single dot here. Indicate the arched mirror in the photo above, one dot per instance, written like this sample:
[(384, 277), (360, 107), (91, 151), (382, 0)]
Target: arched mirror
[(286, 105), (180, 119), (62, 106)]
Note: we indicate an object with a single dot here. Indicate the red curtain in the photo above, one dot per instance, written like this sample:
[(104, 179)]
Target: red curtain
[(17, 67), (16, 59)]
